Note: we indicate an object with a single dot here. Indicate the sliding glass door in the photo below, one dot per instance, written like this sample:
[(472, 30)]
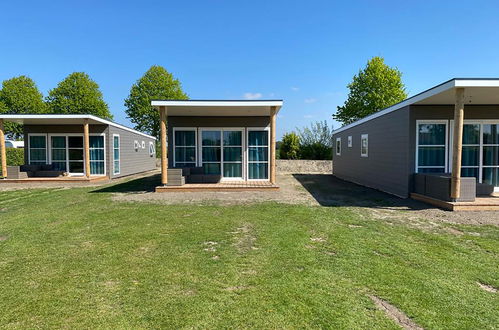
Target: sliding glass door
[(67, 154), (222, 152)]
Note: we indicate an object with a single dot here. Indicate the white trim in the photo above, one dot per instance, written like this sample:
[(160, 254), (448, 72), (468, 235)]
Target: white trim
[(222, 130), (362, 137), (338, 139), (219, 103), (119, 151), (66, 135), (195, 144), (437, 121), (153, 145), (424, 95), (71, 116), (267, 129)]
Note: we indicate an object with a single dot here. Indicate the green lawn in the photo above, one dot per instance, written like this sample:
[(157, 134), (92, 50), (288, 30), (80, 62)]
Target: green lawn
[(74, 258)]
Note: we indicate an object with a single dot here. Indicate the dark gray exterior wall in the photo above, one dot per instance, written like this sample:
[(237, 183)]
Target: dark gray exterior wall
[(198, 122), (386, 167), (132, 161), (392, 146)]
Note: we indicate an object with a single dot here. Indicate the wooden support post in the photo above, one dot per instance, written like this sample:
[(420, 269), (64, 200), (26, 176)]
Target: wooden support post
[(3, 152), (86, 147), (272, 144), (457, 146), (164, 156)]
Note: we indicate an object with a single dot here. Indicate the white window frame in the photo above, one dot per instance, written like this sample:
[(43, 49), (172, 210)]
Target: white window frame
[(243, 150), (152, 152), (119, 152), (46, 146), (338, 153), (196, 151), (481, 145), (362, 137), (437, 121), (267, 129), (350, 141), (66, 135)]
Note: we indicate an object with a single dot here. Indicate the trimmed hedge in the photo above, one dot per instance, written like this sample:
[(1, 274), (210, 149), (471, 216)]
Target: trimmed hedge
[(15, 157)]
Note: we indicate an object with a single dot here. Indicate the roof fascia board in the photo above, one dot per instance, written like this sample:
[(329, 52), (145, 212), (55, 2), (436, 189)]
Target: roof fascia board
[(414, 99), (72, 116), (156, 103)]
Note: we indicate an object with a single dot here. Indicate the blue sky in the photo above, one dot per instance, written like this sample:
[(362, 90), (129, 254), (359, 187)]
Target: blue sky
[(304, 52)]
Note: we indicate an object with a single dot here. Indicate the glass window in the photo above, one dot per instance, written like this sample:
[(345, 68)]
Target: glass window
[(431, 148), (97, 157), (491, 134), (364, 144), (59, 153), (349, 141), (338, 146), (232, 153), (152, 149), (211, 151), (258, 155), (116, 154), (491, 176), (258, 138), (185, 148), (37, 149)]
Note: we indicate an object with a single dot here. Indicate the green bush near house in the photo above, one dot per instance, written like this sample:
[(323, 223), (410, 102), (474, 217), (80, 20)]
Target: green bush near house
[(15, 157)]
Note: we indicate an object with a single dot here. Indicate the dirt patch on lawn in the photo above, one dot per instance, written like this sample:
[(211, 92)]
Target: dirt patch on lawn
[(395, 314), (486, 287), (312, 190), (244, 238)]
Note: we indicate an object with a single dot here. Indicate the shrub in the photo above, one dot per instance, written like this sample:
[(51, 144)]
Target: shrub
[(316, 151), (15, 157), (290, 146)]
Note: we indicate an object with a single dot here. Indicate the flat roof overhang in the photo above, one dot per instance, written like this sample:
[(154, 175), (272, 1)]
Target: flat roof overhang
[(60, 119), (218, 108), (484, 91)]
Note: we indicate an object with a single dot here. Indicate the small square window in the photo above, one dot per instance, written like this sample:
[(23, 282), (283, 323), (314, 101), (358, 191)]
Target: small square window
[(143, 144), (364, 145), (136, 145), (338, 146), (349, 141)]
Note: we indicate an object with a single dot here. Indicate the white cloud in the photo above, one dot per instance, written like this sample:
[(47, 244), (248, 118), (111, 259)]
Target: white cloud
[(295, 89), (252, 96), (310, 100), (271, 94), (308, 116)]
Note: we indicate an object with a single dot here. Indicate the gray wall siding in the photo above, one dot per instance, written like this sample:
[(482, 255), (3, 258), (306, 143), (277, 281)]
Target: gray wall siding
[(195, 121), (132, 161), (386, 167)]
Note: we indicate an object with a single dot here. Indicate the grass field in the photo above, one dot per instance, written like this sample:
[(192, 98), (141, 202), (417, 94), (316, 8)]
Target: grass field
[(75, 258)]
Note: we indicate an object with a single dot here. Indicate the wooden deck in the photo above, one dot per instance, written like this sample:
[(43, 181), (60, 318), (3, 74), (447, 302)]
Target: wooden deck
[(74, 179), (221, 186), (480, 204)]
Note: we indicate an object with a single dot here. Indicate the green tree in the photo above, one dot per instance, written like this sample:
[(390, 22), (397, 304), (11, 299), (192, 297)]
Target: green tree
[(155, 84), (78, 94), (316, 141), (374, 88), (289, 147), (20, 95)]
